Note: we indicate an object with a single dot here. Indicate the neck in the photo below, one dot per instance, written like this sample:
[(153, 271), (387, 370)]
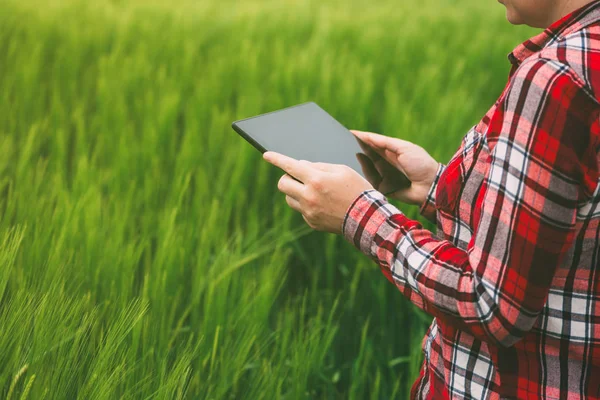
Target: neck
[(563, 8)]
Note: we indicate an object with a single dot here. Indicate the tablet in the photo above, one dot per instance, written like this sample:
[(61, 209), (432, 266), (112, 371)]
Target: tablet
[(307, 132)]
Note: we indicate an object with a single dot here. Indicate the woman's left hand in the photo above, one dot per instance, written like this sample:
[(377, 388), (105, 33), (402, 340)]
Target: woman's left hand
[(325, 192)]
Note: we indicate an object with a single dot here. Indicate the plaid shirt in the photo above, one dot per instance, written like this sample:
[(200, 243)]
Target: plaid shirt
[(512, 274)]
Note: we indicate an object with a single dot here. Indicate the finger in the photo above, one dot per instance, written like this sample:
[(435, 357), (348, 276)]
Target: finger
[(362, 136), (368, 150), (308, 222), (323, 166), (290, 165), (369, 169), (384, 142), (356, 133), (290, 186), (385, 160), (293, 203), (381, 157), (378, 158)]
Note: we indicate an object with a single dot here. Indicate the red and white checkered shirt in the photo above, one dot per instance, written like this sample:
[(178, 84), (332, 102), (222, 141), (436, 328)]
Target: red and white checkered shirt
[(512, 274)]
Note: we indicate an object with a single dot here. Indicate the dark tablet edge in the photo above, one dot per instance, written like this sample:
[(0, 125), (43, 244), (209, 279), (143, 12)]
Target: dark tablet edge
[(248, 138)]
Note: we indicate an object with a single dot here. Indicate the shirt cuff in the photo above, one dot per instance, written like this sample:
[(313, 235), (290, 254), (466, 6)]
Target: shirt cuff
[(427, 209), (363, 219)]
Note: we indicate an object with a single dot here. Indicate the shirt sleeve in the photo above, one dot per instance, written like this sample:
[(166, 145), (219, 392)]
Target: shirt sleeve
[(542, 165), (427, 209)]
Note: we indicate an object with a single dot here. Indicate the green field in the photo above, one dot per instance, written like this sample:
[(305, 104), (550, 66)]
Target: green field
[(145, 251)]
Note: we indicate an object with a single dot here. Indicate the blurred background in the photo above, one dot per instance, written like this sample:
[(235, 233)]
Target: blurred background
[(145, 251)]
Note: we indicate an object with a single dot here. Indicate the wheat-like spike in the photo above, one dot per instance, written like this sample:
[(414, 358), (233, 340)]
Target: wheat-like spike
[(28, 388), (15, 380)]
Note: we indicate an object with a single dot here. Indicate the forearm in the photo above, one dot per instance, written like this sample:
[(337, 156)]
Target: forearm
[(433, 274), (452, 284)]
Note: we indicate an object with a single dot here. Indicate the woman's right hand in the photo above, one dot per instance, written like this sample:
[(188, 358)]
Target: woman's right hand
[(410, 159)]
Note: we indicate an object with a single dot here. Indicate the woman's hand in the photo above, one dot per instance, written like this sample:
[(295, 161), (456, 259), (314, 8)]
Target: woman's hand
[(410, 159), (325, 192)]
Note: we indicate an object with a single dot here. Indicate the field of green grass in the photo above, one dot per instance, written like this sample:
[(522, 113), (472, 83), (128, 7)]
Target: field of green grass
[(145, 251)]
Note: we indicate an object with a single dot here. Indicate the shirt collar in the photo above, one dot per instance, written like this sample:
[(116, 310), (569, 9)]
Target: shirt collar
[(569, 23)]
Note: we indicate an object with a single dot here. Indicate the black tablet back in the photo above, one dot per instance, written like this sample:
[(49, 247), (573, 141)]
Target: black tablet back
[(307, 132), (303, 132)]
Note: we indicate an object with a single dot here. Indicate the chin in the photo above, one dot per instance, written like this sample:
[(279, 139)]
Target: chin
[(513, 18)]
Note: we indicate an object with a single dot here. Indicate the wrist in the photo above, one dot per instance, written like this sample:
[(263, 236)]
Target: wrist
[(421, 189), (427, 207), (432, 177)]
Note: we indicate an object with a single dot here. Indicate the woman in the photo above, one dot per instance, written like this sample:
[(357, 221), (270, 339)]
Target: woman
[(512, 276)]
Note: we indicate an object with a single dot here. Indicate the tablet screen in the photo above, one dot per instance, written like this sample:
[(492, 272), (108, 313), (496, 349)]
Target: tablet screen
[(306, 132)]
